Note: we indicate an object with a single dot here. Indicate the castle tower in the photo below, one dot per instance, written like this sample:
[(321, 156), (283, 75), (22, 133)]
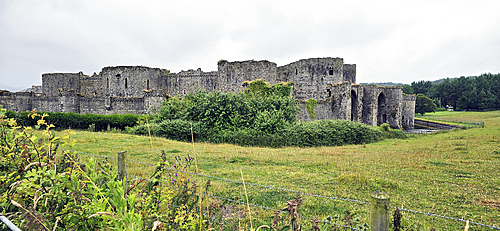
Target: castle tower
[(408, 114)]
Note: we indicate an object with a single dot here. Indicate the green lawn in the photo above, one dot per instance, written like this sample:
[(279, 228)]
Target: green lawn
[(453, 173)]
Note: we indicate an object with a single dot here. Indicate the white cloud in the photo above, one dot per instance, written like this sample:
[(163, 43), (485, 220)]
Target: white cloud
[(397, 41)]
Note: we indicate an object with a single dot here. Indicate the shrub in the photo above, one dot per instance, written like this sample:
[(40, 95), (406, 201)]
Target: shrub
[(304, 134), (385, 127), (78, 121)]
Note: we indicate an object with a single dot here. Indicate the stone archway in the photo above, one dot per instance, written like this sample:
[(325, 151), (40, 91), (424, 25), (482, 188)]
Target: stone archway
[(381, 104)]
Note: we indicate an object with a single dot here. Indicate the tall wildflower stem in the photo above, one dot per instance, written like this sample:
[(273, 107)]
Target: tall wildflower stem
[(194, 150), (149, 132), (246, 196)]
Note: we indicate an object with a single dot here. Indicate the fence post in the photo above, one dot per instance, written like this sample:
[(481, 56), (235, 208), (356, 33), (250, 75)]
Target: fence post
[(121, 165), (8, 223), (379, 214)]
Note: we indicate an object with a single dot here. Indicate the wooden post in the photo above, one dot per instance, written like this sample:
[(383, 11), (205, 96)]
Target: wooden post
[(379, 217), (121, 165)]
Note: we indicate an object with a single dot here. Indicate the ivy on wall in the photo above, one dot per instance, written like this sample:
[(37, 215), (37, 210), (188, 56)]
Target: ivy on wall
[(311, 107), (261, 87)]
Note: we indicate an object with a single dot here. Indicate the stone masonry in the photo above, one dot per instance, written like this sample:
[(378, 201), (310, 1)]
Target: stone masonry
[(139, 90)]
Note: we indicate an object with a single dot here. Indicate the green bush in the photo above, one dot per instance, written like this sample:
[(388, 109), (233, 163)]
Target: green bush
[(385, 127), (231, 111), (78, 121), (388, 133), (303, 134), (264, 116)]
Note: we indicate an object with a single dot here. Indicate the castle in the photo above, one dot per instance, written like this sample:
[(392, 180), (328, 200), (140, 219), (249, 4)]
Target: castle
[(139, 89)]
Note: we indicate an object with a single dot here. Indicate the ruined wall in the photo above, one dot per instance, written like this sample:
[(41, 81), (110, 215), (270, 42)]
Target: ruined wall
[(392, 107), (52, 82), (382, 105), (357, 94), (138, 90), (46, 103), (311, 76), (349, 73), (8, 100), (94, 105), (127, 105), (323, 110), (68, 101), (153, 99), (93, 86), (185, 82), (19, 101), (408, 113), (130, 81), (233, 74), (341, 100), (371, 93)]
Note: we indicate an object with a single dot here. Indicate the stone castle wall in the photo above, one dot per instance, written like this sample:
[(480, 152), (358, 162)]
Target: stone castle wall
[(233, 74), (189, 81), (311, 76), (408, 112), (52, 82), (139, 90)]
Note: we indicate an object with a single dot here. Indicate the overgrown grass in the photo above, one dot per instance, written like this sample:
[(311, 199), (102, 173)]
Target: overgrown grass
[(453, 173)]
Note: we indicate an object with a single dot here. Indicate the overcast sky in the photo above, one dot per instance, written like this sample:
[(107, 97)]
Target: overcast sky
[(389, 41)]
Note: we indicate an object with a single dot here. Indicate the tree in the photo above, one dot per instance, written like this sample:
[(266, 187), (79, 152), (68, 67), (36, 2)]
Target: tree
[(421, 87), (424, 104), (407, 89)]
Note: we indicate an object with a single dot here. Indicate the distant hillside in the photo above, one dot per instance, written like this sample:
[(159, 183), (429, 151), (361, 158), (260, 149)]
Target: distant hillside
[(9, 88), (386, 84)]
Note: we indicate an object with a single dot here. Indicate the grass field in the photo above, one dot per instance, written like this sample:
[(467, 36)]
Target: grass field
[(453, 173)]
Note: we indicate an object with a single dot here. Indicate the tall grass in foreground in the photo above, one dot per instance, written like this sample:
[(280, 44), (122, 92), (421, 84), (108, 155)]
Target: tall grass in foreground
[(455, 173)]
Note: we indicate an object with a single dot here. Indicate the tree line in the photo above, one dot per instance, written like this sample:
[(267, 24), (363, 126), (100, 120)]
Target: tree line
[(464, 93)]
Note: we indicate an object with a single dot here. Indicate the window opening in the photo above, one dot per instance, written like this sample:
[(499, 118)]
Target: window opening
[(147, 84), (126, 83), (107, 83), (296, 71), (330, 72)]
